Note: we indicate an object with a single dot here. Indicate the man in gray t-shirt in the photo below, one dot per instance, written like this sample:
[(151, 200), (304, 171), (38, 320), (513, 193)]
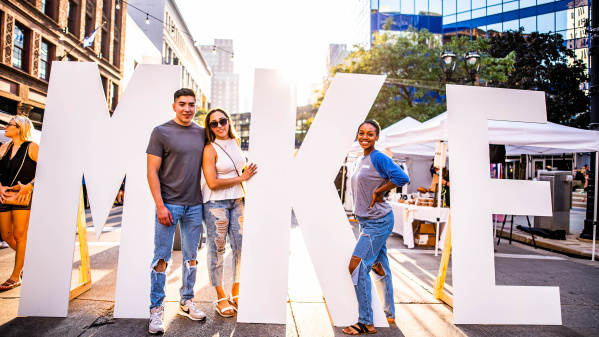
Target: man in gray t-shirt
[(174, 172)]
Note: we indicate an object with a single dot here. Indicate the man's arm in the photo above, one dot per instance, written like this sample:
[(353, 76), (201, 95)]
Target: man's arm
[(164, 215)]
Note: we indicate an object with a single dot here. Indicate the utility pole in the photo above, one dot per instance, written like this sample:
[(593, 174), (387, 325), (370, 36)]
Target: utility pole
[(591, 216)]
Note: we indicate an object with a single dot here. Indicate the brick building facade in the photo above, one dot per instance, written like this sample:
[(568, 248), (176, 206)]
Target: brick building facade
[(34, 33)]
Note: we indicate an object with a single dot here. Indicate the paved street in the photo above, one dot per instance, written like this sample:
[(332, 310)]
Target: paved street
[(418, 313)]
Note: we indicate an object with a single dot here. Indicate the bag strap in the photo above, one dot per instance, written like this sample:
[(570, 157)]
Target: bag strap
[(215, 143), (19, 171)]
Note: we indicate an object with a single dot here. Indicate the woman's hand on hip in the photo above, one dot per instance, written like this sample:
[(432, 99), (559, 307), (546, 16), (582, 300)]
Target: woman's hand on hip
[(377, 197), (249, 172)]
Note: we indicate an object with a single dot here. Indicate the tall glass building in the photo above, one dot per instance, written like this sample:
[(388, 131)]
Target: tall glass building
[(407, 13), (484, 18)]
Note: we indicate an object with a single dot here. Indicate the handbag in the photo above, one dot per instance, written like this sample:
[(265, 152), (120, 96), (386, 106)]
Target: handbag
[(215, 143), (11, 198)]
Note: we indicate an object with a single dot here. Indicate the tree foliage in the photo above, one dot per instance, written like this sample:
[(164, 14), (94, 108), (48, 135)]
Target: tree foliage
[(301, 132), (414, 85), (543, 62), (200, 116)]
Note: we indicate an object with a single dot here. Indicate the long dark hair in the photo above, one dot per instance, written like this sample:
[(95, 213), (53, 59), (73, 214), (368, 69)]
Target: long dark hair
[(209, 133)]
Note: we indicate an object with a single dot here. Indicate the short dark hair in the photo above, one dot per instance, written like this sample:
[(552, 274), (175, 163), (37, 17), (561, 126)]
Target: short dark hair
[(184, 92), (373, 123)]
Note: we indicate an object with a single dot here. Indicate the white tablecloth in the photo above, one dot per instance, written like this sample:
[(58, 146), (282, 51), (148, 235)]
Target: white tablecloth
[(405, 214)]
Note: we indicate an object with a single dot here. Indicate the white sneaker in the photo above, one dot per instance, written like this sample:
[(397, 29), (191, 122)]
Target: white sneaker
[(3, 245), (156, 325), (190, 310)]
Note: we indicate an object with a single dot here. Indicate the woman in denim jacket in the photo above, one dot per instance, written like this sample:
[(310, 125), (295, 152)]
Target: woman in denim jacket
[(373, 175), (223, 194)]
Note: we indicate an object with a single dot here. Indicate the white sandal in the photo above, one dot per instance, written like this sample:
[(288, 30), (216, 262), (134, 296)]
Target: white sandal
[(220, 312), (232, 301)]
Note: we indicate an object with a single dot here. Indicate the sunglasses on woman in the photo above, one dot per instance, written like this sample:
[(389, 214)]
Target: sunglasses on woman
[(222, 122)]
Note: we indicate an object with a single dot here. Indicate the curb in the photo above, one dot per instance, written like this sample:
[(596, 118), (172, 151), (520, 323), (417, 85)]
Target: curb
[(545, 244)]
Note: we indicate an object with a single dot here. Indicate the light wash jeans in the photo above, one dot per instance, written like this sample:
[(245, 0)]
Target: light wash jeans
[(372, 249), (223, 218), (190, 220)]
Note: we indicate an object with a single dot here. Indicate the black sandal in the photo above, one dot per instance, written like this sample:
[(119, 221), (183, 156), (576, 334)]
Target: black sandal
[(361, 329)]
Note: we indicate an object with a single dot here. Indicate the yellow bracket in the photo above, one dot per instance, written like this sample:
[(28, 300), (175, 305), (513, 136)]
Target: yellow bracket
[(438, 291), (85, 276)]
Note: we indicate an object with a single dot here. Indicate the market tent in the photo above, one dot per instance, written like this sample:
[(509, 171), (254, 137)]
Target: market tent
[(418, 158), (407, 123), (521, 138), (383, 145)]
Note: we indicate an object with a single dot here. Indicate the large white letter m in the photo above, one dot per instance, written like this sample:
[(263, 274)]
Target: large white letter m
[(80, 137)]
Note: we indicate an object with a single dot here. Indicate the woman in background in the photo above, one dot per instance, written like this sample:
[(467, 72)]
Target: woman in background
[(18, 161)]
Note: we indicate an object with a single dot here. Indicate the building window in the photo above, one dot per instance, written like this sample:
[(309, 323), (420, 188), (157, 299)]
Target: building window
[(90, 17), (73, 18), (48, 7), (107, 4), (105, 44), (116, 52), (104, 85), (20, 48), (114, 94), (46, 56)]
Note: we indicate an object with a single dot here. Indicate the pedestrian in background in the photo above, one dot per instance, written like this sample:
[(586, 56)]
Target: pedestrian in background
[(373, 175), (17, 173), (224, 193)]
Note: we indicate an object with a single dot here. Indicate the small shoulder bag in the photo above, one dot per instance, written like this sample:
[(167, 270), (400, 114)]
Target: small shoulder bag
[(215, 143), (11, 198)]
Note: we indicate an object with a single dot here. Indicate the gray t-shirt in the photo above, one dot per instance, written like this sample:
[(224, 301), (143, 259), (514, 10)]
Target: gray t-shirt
[(181, 149), (370, 173)]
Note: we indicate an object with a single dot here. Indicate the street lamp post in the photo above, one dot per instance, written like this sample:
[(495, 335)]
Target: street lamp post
[(472, 63), (591, 215)]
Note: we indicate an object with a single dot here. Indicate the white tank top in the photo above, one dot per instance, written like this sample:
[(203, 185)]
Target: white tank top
[(226, 169)]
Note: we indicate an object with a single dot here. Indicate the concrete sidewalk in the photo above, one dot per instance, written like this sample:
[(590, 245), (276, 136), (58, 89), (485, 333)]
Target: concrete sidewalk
[(414, 271), (572, 246), (92, 312)]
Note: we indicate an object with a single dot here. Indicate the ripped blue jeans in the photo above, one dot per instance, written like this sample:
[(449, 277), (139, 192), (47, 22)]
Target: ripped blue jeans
[(372, 249), (190, 220), (223, 218)]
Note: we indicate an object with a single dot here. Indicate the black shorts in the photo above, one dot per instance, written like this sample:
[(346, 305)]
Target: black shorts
[(6, 208)]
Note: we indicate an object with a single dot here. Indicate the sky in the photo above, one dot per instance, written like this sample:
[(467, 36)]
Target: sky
[(289, 35)]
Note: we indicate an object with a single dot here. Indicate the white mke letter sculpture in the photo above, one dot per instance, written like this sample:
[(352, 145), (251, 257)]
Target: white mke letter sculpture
[(81, 137), (307, 184), (477, 300)]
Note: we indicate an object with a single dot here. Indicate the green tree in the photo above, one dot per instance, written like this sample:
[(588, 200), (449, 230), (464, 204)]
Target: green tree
[(302, 130), (414, 85), (200, 116), (543, 62)]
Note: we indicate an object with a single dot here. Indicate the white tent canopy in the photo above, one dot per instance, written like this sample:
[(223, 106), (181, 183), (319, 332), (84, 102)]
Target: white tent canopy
[(403, 125), (521, 138)]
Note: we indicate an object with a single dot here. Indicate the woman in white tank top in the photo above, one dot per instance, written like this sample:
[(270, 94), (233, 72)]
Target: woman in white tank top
[(223, 191)]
